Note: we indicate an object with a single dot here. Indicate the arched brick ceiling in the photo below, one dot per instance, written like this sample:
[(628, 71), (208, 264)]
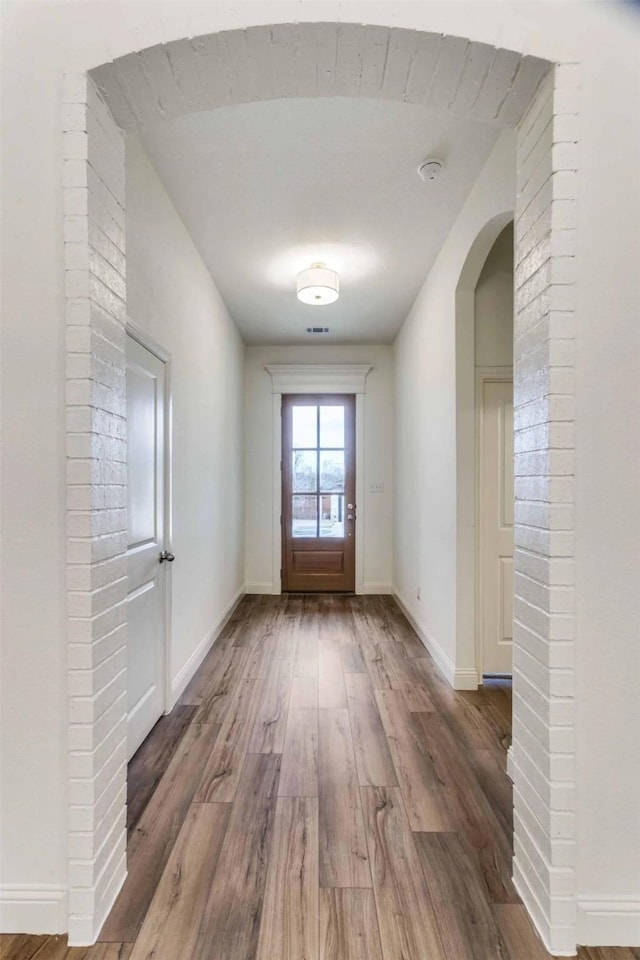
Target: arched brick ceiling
[(471, 80)]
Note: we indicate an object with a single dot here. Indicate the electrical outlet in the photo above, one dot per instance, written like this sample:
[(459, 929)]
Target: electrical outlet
[(376, 486), (418, 593)]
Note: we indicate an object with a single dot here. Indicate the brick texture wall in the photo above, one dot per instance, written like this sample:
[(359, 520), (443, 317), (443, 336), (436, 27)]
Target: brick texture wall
[(170, 80), (543, 722), (93, 179)]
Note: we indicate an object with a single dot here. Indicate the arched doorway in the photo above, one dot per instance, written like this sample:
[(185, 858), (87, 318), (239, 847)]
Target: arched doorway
[(481, 83)]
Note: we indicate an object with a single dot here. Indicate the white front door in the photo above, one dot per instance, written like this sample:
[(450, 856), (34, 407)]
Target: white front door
[(146, 606), (496, 526)]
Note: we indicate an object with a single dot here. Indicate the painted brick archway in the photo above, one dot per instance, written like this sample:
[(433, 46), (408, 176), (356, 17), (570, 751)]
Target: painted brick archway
[(473, 80)]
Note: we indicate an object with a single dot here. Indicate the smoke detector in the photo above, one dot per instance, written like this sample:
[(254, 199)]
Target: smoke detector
[(430, 169)]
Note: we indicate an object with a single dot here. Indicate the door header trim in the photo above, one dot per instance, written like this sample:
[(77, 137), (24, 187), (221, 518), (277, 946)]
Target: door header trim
[(143, 338), (318, 377)]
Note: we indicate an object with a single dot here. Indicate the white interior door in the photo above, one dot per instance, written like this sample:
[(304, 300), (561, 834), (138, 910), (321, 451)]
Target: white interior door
[(496, 526), (146, 607)]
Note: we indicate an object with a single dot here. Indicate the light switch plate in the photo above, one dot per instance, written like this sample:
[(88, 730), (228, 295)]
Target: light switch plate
[(376, 486)]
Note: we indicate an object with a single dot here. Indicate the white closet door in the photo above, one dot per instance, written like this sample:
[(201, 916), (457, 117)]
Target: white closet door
[(146, 607), (496, 519)]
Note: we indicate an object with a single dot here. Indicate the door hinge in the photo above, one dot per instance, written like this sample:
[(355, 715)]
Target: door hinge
[(280, 519), (281, 466)]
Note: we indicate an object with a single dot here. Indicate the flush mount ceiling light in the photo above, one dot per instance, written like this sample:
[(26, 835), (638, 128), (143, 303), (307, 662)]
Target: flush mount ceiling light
[(318, 285)]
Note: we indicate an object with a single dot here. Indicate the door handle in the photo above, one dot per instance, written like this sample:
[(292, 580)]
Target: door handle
[(165, 555)]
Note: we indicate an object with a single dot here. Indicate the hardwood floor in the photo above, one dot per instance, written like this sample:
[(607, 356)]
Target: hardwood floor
[(320, 793)]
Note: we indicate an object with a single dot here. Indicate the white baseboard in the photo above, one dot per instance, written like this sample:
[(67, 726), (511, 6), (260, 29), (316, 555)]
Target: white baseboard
[(29, 908), (599, 923), (188, 670), (608, 923), (373, 587), (259, 586), (465, 678), (460, 678)]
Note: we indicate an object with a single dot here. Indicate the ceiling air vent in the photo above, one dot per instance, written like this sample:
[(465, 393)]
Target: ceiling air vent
[(317, 329)]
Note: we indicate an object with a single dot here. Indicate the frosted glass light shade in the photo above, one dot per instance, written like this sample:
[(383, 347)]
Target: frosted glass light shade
[(318, 285)]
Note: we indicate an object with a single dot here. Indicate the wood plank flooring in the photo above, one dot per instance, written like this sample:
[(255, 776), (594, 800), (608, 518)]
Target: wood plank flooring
[(319, 793)]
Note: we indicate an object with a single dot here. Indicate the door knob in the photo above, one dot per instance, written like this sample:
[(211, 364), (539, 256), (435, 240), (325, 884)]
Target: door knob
[(165, 555)]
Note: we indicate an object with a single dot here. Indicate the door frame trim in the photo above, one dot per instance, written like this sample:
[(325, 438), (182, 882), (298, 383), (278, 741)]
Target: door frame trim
[(289, 543), (139, 335), (317, 378), (482, 375)]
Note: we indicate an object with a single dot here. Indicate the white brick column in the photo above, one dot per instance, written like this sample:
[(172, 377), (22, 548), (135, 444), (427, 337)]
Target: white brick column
[(94, 169), (543, 762)]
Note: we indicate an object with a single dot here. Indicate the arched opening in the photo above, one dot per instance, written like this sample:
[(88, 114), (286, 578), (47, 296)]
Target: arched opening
[(494, 472), (494, 461), (143, 88), (466, 445)]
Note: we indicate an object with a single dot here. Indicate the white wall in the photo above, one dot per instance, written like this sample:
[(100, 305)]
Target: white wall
[(171, 296), (426, 428), (494, 305), (33, 697), (377, 466), (607, 500)]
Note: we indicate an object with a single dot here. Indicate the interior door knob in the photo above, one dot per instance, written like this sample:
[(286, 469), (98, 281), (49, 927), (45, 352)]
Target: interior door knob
[(165, 555)]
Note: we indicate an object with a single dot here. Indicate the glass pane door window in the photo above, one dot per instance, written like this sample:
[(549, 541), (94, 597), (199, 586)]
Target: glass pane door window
[(317, 471)]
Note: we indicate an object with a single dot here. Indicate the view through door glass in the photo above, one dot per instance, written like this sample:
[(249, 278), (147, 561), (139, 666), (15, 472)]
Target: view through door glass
[(318, 488)]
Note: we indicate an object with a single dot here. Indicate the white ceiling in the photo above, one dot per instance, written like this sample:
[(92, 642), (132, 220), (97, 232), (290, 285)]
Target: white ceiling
[(267, 188)]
